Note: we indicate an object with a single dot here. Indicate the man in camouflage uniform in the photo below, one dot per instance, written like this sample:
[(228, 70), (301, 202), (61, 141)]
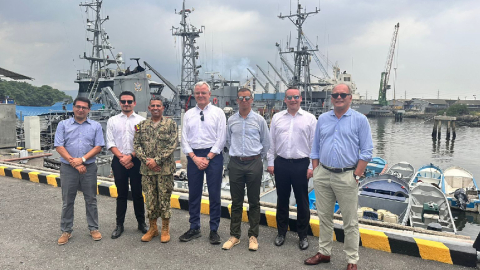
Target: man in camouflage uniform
[(154, 142)]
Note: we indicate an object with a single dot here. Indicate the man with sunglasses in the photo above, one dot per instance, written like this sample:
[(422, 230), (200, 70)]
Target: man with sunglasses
[(248, 141), (78, 140), (340, 153), (291, 136), (125, 165), (154, 142), (203, 139)]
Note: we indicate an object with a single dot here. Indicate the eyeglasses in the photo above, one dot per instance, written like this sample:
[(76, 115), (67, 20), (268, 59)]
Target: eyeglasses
[(156, 106), (126, 101), (201, 116), (294, 97), (342, 95), (247, 98), (78, 107)]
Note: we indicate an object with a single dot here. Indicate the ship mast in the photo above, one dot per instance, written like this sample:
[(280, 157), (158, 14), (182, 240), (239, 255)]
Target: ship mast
[(188, 33), (101, 48), (301, 71)]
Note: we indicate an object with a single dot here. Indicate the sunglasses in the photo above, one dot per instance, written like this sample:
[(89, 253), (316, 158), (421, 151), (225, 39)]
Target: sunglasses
[(247, 98), (201, 116), (293, 97), (78, 107), (126, 101), (342, 95)]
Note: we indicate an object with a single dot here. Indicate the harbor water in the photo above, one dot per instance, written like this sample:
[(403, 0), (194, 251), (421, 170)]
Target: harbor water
[(411, 141)]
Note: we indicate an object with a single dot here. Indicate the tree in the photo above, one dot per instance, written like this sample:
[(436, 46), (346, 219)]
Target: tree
[(26, 94), (456, 110)]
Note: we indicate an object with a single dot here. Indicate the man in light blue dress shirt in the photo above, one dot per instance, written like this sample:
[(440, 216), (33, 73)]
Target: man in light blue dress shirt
[(248, 142), (342, 147), (78, 140)]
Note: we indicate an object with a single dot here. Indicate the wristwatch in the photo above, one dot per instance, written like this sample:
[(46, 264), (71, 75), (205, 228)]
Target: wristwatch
[(83, 160), (357, 177), (208, 158)]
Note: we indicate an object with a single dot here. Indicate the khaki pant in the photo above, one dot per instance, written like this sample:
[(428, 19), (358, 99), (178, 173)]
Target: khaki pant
[(341, 187)]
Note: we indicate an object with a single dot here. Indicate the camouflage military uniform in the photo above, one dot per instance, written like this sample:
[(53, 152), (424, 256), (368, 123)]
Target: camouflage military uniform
[(157, 142)]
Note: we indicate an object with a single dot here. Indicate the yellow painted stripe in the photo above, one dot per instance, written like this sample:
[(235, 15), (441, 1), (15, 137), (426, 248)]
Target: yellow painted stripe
[(34, 176), (315, 225), (2, 171), (244, 214), (435, 251), (230, 210), (271, 218), (113, 191), (37, 151), (175, 201), (375, 240), (29, 150), (16, 173), (205, 207), (52, 180), (98, 183), (19, 148)]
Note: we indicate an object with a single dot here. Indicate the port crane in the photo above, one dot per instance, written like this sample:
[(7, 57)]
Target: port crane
[(382, 93)]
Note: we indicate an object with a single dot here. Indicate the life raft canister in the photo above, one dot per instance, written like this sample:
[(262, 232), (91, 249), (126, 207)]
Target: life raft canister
[(215, 101)]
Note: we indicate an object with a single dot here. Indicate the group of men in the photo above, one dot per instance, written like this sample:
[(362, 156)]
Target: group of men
[(333, 151)]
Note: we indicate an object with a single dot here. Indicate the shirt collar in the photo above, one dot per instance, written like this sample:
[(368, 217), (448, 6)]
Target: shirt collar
[(124, 115), (250, 113), (206, 107), (300, 112), (72, 121), (347, 113)]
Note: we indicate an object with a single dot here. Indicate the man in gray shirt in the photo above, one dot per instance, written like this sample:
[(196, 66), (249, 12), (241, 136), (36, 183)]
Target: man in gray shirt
[(248, 142)]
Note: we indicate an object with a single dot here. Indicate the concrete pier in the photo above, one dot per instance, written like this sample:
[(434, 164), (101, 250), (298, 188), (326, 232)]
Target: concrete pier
[(437, 126)]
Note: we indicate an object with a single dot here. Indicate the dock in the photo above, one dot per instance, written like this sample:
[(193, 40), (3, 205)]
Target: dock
[(31, 209)]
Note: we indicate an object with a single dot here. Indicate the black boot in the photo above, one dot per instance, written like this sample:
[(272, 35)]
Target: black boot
[(142, 226), (117, 232)]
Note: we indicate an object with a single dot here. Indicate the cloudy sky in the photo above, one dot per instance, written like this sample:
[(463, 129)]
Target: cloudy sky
[(438, 50)]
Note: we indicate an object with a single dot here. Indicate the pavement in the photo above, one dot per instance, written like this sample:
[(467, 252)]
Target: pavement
[(29, 229)]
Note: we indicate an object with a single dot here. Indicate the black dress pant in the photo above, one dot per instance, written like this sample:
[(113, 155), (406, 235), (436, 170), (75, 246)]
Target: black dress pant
[(292, 173), (122, 175)]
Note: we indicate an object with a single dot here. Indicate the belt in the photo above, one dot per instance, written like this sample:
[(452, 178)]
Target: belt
[(293, 160), (247, 158), (338, 170)]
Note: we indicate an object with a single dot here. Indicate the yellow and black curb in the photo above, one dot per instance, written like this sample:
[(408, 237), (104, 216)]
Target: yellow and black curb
[(449, 253)]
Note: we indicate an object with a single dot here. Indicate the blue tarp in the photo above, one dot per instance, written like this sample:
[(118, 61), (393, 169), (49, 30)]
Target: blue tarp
[(55, 108)]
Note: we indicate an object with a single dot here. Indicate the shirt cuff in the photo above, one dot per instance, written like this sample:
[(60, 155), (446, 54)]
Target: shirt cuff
[(215, 150)]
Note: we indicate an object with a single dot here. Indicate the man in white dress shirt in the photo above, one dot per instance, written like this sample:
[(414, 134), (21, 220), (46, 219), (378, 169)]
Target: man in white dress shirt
[(292, 132), (120, 132), (203, 139)]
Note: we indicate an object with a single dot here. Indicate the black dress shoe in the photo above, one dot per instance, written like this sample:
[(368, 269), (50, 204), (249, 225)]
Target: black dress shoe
[(189, 235), (214, 238), (279, 240), (117, 232), (303, 243), (142, 227)]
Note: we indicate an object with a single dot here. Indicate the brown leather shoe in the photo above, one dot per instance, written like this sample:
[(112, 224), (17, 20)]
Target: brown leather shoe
[(96, 235), (351, 266), (64, 238), (152, 231), (318, 258)]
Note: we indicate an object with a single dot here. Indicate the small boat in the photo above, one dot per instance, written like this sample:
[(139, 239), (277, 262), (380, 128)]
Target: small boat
[(377, 166), (387, 195), (430, 174), (429, 209), (402, 170), (461, 189)]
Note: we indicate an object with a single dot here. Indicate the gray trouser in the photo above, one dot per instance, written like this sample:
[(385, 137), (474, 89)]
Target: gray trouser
[(71, 181), (243, 173), (344, 188)]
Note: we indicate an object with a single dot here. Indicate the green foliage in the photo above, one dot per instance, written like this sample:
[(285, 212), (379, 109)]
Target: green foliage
[(455, 110), (26, 94)]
